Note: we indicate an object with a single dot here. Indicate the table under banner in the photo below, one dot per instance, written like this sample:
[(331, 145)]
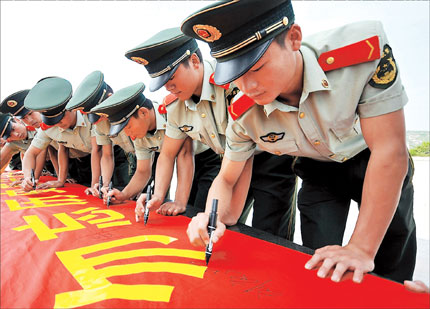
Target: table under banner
[(63, 249)]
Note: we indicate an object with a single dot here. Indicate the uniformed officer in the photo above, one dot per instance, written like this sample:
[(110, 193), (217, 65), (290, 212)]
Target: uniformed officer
[(92, 91), (336, 100), (130, 112), (26, 123), (70, 129), (197, 107)]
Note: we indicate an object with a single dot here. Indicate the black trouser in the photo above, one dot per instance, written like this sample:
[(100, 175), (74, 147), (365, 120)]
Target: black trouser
[(207, 165), (121, 173), (324, 201), (15, 162), (80, 170), (273, 192)]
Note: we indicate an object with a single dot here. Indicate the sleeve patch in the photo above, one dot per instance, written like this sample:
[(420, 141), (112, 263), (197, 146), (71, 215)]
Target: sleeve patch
[(386, 72)]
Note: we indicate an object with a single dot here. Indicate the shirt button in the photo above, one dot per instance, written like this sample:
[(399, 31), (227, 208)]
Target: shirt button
[(212, 97), (317, 142), (203, 115), (332, 156), (330, 60), (302, 115), (159, 138), (164, 126), (324, 82), (277, 153), (213, 135), (75, 132)]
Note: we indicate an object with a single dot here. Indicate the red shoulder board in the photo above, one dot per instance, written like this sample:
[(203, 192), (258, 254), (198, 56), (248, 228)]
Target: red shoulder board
[(363, 51), (169, 99), (212, 81), (30, 128), (239, 106), (44, 126)]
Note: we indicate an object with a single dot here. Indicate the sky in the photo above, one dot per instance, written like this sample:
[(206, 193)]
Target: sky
[(71, 39)]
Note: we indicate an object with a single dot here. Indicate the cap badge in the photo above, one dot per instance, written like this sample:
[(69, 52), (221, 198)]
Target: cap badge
[(207, 33), (140, 60), (12, 103)]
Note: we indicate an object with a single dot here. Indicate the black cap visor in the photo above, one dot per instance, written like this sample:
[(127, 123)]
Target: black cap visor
[(22, 113), (93, 118), (116, 128), (52, 121), (7, 131), (159, 81), (230, 70)]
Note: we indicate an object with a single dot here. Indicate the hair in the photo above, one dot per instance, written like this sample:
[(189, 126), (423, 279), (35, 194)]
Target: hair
[(185, 61), (147, 104), (280, 38)]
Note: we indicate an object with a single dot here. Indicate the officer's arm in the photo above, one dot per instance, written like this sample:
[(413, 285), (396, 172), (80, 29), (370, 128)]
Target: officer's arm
[(6, 156), (164, 170), (185, 175), (40, 163), (28, 163), (107, 164), (386, 170), (228, 209), (96, 154), (139, 179), (63, 164)]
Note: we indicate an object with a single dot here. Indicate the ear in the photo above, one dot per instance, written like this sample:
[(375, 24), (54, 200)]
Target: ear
[(143, 112), (195, 61), (294, 37)]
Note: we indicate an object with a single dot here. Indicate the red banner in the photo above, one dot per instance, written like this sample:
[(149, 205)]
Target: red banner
[(63, 249)]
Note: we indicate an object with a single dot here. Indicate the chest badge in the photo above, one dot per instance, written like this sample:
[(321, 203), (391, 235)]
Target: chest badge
[(272, 137), (155, 148), (186, 128), (386, 72)]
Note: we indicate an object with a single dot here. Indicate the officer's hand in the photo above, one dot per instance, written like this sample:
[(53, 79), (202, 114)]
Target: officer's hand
[(198, 230), (117, 197), (140, 207), (19, 173), (416, 286), (170, 209), (91, 191), (71, 180), (105, 191), (27, 184), (51, 184), (341, 259)]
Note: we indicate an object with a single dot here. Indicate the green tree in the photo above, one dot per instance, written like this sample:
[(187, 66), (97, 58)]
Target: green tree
[(422, 150)]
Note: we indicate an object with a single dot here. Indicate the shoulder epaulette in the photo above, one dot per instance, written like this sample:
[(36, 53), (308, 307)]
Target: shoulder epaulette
[(212, 81), (363, 51), (169, 99), (240, 106), (166, 101)]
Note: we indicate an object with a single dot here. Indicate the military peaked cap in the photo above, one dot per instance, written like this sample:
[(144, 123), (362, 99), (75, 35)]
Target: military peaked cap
[(238, 32), (161, 55), (5, 125), (120, 106), (14, 104), (90, 92), (49, 97)]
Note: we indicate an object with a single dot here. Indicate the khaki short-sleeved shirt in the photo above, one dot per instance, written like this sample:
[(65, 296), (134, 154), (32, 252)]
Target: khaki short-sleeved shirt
[(22, 145), (326, 124), (101, 132), (78, 138), (205, 121), (146, 146)]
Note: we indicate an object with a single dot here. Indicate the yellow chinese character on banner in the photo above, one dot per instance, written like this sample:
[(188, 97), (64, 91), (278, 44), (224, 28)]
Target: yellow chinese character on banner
[(108, 218), (94, 281), (47, 201)]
